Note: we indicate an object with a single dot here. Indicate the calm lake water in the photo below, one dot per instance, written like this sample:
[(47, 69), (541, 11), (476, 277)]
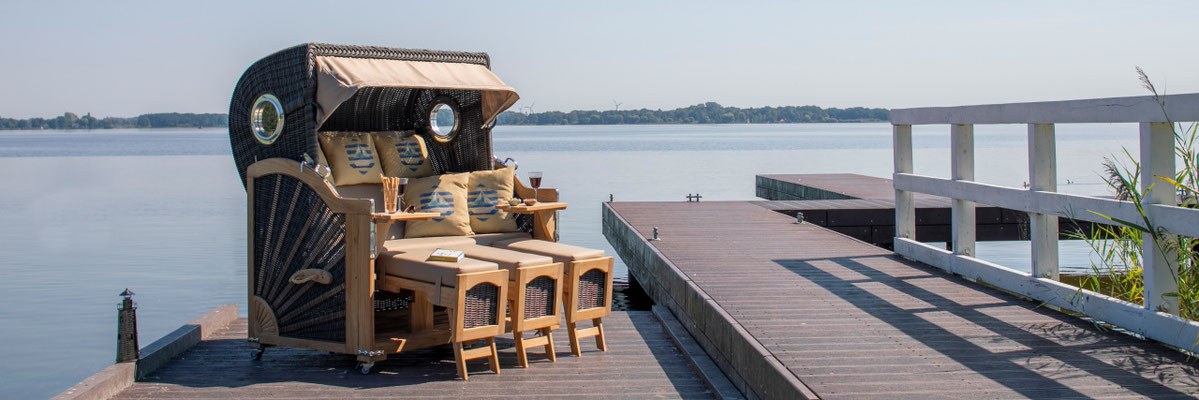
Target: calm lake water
[(83, 215)]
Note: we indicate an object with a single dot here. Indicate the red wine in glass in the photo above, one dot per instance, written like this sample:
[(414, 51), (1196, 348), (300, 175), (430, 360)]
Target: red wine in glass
[(401, 184), (535, 182)]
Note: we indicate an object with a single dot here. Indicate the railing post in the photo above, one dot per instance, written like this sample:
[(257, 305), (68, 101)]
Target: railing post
[(905, 205), (1160, 261), (961, 137), (1042, 177)]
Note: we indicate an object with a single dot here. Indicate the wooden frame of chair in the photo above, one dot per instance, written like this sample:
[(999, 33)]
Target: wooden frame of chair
[(544, 324), (574, 272), (467, 282)]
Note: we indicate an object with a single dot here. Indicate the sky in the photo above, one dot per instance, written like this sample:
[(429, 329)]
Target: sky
[(124, 58)]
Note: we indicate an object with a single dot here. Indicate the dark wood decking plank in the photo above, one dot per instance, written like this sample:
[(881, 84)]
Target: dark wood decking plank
[(641, 362), (853, 320)]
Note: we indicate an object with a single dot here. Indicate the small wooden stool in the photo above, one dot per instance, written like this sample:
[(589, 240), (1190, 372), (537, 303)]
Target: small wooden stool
[(479, 314), (534, 296), (587, 294), (474, 292)]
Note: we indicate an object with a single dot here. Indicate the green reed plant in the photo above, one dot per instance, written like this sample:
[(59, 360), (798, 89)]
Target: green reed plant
[(1117, 266)]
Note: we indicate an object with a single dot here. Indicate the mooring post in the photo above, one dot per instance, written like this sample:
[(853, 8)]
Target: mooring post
[(127, 349)]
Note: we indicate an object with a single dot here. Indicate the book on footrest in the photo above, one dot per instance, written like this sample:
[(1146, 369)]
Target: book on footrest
[(446, 255)]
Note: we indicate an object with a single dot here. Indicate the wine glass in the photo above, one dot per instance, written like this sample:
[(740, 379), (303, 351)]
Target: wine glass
[(401, 184), (535, 182)]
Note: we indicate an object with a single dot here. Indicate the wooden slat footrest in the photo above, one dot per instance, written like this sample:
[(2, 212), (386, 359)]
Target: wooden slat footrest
[(478, 352), (537, 341), (586, 333)]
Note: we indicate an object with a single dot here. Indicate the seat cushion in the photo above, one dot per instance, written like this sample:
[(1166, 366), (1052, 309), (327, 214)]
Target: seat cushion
[(443, 194), (487, 239), (412, 265), (351, 156), (484, 190), (507, 259), (444, 242), (558, 251), (403, 154)]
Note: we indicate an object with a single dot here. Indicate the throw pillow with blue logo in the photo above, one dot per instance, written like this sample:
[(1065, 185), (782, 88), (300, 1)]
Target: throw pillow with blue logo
[(351, 156), (484, 190), (442, 194), (403, 154)]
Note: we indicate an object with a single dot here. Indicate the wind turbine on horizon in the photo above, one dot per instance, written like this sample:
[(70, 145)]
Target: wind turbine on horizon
[(617, 105)]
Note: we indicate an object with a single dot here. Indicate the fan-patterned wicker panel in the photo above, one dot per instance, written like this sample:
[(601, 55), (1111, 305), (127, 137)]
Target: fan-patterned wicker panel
[(294, 229), (591, 289)]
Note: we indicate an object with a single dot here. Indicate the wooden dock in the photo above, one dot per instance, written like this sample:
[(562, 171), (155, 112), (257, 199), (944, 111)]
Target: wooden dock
[(799, 311), (642, 362), (863, 207)]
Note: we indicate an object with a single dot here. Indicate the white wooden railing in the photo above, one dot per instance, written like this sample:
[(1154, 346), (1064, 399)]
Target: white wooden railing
[(1156, 318)]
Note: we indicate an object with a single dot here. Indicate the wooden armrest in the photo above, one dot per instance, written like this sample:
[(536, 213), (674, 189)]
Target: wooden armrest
[(404, 216), (527, 209)]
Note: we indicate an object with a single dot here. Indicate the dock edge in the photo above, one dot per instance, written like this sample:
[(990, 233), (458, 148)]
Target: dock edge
[(115, 378), (750, 367)]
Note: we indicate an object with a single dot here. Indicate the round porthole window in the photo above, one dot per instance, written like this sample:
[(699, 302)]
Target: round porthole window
[(266, 118), (443, 121)]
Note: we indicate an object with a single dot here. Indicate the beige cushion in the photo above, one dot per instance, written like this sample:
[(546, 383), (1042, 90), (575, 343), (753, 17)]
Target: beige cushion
[(445, 194), (351, 156), (484, 190), (444, 242), (487, 239), (403, 154), (558, 251), (507, 259), (412, 265)]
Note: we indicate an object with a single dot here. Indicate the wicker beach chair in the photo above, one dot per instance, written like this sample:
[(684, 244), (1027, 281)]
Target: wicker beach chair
[(312, 275), (327, 271)]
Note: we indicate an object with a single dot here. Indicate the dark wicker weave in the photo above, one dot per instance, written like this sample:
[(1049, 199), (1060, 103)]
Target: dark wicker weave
[(524, 223), (289, 75), (293, 230), (539, 297), (388, 301), (481, 307), (403, 109), (591, 289)]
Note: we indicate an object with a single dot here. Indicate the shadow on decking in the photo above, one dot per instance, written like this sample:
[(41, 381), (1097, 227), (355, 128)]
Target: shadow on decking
[(930, 320), (641, 361)]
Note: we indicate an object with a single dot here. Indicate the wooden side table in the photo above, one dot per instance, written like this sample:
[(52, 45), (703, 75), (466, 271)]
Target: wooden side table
[(543, 225)]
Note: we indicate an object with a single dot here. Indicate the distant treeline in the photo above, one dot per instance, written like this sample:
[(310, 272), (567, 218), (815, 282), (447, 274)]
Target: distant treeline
[(707, 113), (161, 120)]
